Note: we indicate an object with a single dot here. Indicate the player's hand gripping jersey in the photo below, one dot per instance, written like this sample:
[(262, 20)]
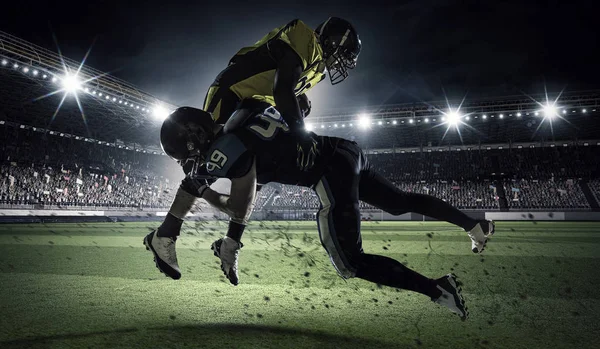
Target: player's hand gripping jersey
[(267, 138)]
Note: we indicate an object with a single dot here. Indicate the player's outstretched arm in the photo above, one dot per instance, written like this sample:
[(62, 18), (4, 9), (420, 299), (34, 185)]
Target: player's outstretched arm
[(289, 69), (217, 200)]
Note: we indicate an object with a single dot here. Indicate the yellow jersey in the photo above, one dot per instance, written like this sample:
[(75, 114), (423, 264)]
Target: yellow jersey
[(251, 72)]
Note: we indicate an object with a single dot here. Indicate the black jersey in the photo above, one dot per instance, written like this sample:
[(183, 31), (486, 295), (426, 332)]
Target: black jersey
[(266, 138)]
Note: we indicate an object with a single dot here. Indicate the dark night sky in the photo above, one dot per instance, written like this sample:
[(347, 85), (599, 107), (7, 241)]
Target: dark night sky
[(411, 49)]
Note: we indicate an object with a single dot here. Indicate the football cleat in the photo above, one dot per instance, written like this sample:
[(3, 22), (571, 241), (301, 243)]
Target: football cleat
[(227, 250), (452, 295), (479, 235), (165, 256)]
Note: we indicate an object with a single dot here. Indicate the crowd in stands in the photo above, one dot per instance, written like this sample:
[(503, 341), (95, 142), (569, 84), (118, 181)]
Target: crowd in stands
[(263, 196), (594, 186), (465, 195), (32, 185), (43, 169), (49, 170), (546, 194)]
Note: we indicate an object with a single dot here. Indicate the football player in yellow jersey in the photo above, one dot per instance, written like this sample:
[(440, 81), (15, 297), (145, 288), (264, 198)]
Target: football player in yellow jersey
[(285, 63), (278, 69)]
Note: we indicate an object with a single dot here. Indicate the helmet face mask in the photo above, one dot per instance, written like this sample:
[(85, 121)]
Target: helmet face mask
[(341, 47)]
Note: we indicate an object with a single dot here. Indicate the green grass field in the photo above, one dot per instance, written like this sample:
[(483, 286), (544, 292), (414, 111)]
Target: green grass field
[(95, 286)]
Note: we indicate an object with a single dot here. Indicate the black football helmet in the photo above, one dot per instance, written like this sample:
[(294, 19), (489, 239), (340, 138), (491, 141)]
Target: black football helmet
[(341, 47), (187, 133)]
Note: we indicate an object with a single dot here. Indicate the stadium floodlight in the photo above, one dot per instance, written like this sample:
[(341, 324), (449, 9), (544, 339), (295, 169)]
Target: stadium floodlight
[(453, 117), (335, 125), (518, 115), (25, 70), (350, 125), (550, 111), (379, 122), (467, 118), (426, 119), (114, 99), (394, 122), (70, 83), (584, 111), (44, 76), (564, 111), (484, 116), (100, 94), (364, 121), (501, 116), (308, 126), (323, 126), (35, 73), (54, 79), (343, 125), (107, 97), (411, 121), (160, 112), (16, 66), (4, 62)]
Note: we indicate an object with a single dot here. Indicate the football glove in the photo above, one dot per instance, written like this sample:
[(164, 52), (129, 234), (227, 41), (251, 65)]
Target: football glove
[(308, 149), (196, 185), (304, 104)]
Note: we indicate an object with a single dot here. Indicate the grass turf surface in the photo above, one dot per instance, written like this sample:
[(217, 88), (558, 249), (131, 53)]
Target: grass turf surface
[(94, 285)]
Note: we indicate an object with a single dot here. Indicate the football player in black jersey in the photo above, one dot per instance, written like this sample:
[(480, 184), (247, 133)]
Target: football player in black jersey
[(256, 146)]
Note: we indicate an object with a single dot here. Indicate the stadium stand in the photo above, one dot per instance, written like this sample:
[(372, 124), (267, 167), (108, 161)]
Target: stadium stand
[(50, 170), (43, 169), (102, 149)]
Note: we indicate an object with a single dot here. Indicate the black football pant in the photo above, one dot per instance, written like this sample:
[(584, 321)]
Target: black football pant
[(350, 178)]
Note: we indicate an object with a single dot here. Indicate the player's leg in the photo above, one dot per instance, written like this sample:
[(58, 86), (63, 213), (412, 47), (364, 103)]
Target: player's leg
[(378, 191), (339, 229), (162, 240), (219, 101)]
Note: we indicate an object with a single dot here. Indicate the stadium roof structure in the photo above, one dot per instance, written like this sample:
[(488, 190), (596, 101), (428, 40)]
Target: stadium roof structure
[(493, 105), (106, 109), (112, 112)]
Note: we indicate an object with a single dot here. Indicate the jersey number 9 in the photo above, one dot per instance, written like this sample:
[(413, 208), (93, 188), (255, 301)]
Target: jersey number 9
[(217, 161)]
